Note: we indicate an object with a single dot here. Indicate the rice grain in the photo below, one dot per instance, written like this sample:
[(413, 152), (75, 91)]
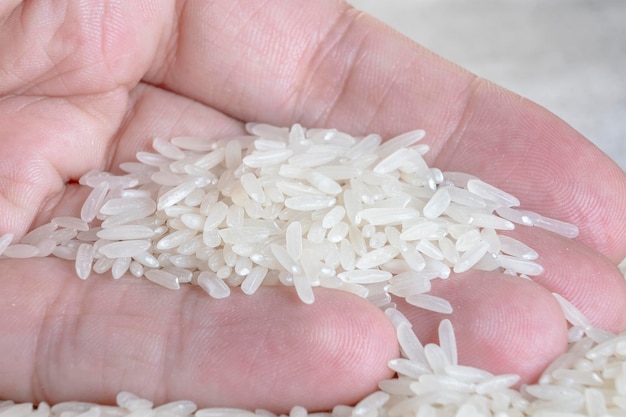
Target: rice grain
[(489, 192), (124, 248), (94, 200), (163, 278), (5, 241), (21, 251), (430, 302)]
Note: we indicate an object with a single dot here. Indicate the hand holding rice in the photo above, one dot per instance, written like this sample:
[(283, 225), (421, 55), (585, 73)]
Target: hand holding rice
[(306, 260)]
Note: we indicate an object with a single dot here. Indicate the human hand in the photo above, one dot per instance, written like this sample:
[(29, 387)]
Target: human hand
[(86, 87)]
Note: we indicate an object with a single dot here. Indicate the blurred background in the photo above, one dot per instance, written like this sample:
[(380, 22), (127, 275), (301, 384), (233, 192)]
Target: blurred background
[(567, 55)]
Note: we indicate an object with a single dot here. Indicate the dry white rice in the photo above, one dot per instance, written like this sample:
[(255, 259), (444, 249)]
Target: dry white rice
[(361, 209), (324, 208)]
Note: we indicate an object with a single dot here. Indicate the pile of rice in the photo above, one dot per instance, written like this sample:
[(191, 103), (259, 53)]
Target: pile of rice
[(321, 208)]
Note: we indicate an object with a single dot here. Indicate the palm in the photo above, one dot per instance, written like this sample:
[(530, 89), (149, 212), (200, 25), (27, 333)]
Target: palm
[(87, 87)]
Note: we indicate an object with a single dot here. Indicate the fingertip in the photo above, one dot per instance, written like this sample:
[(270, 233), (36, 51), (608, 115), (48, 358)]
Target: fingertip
[(584, 277), (361, 342), (503, 324), (334, 351)]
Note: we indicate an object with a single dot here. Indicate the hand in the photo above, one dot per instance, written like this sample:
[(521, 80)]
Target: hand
[(87, 86)]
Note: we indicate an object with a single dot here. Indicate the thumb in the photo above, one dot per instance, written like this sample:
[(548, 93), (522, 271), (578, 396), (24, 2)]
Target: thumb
[(67, 339)]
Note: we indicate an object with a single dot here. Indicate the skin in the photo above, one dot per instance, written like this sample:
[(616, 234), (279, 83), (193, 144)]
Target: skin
[(85, 87)]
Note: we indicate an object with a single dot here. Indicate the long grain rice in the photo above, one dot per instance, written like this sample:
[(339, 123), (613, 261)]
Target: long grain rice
[(319, 207), (5, 241), (93, 202), (21, 251)]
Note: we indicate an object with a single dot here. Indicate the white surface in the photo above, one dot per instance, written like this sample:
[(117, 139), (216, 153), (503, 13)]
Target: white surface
[(567, 55)]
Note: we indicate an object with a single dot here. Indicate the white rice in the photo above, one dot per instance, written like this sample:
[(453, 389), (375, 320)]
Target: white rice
[(430, 302), (21, 251), (491, 193), (84, 260), (5, 241), (71, 223), (93, 202), (319, 207)]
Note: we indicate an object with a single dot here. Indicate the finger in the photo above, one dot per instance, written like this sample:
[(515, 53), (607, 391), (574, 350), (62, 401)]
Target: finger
[(7, 7), (87, 340), (66, 72), (517, 146), (502, 324), (584, 277), (45, 143), (66, 49)]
